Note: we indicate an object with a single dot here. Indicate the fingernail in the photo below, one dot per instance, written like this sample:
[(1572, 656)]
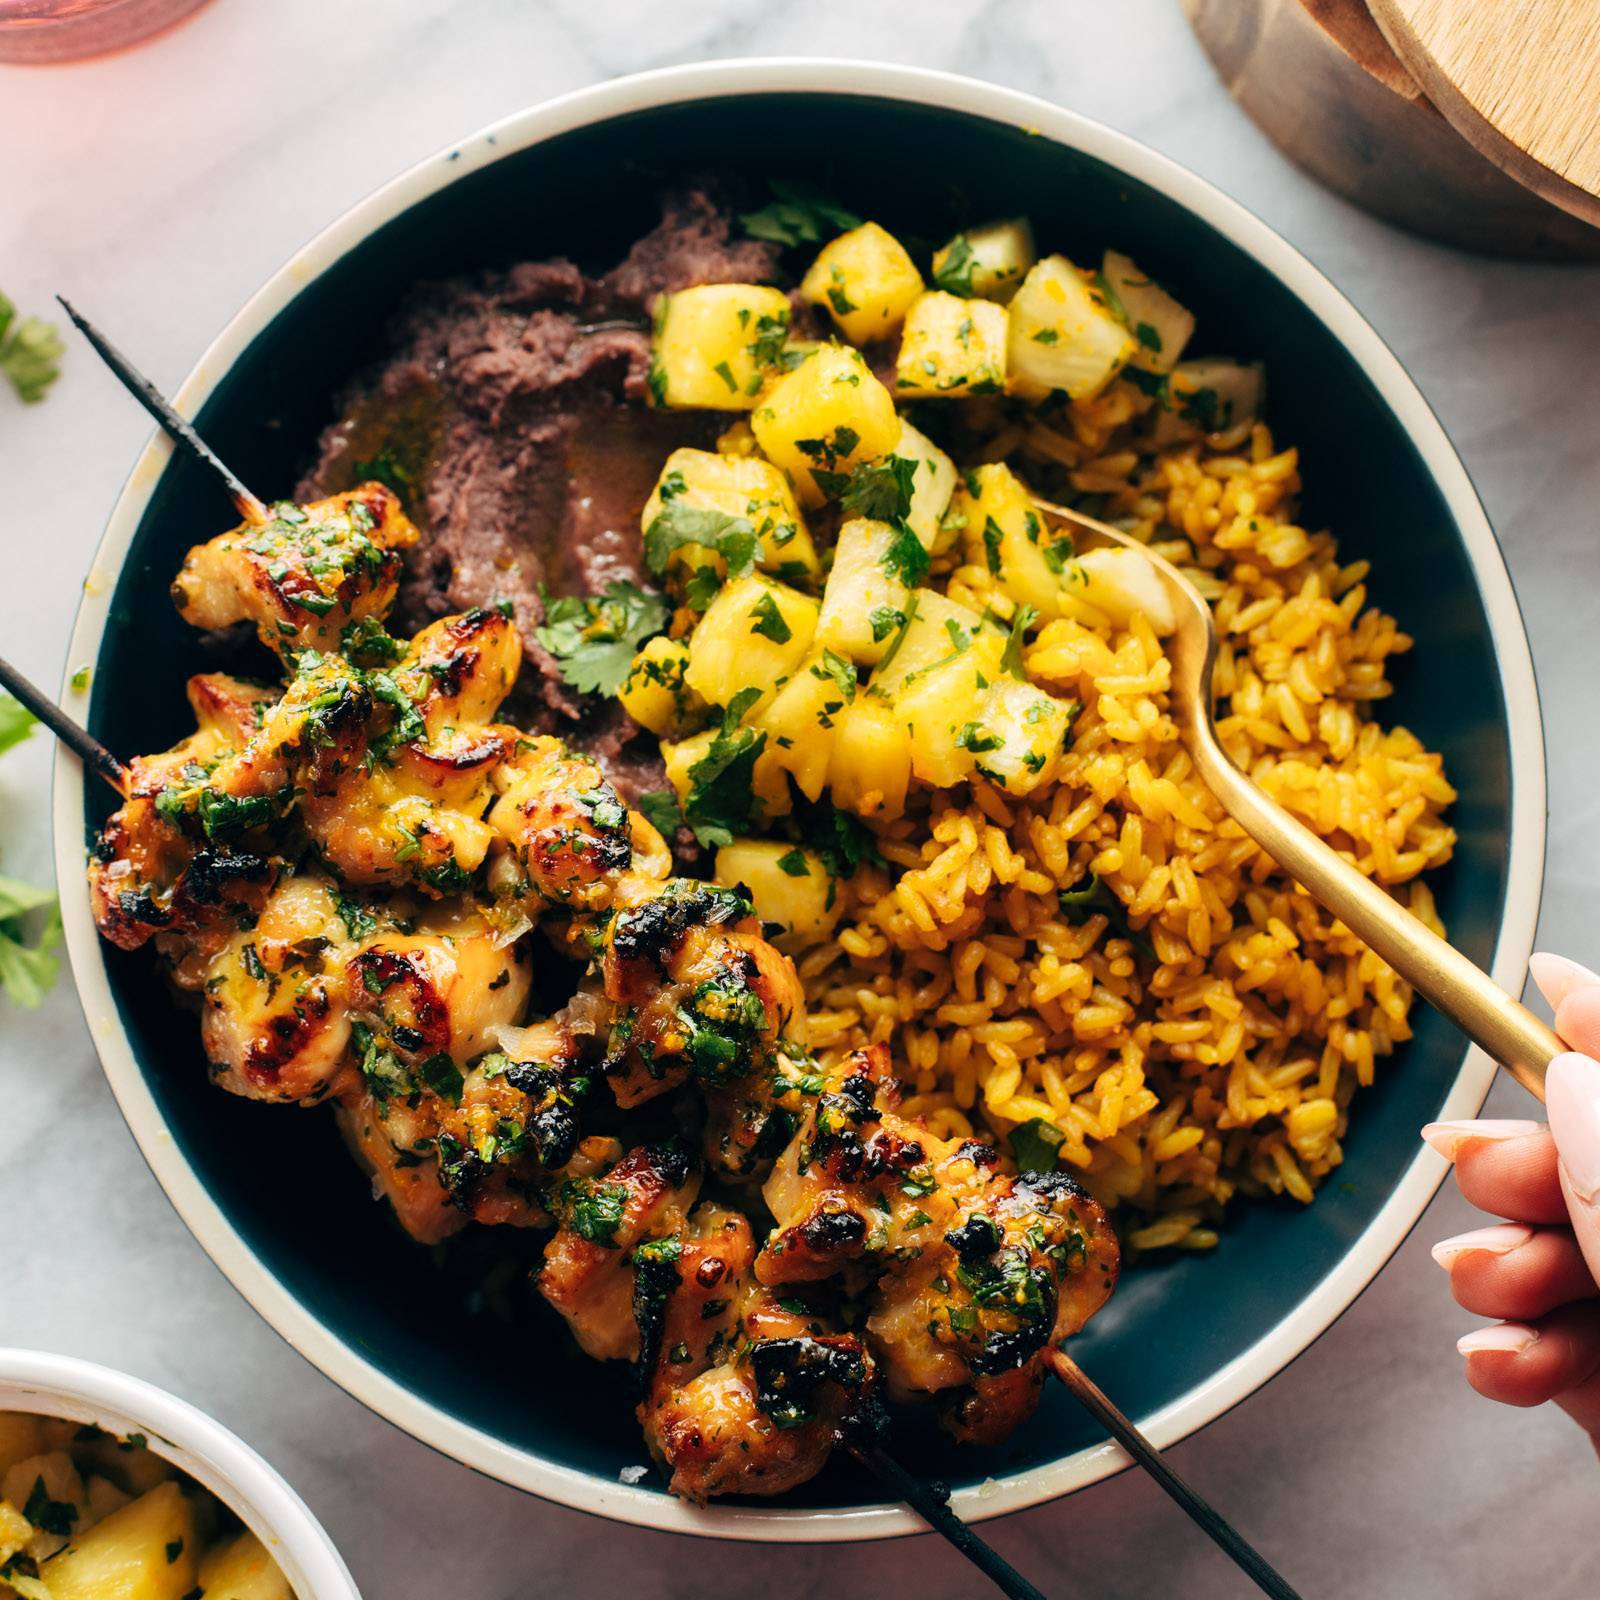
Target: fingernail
[(1557, 976), (1506, 1337), (1499, 1240), (1448, 1137), (1572, 1096)]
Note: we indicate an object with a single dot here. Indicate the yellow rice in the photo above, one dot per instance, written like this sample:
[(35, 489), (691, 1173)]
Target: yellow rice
[(1232, 1067)]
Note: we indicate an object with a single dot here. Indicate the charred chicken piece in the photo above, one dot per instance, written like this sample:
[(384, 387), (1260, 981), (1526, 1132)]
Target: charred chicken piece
[(304, 575), (745, 1393), (699, 993), (519, 1120), (977, 1272), (608, 1205), (148, 875), (566, 837)]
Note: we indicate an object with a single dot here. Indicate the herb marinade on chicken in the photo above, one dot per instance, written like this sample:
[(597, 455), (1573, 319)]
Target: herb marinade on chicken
[(356, 871)]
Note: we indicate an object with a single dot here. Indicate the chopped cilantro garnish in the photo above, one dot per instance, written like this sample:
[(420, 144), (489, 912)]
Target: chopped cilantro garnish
[(798, 215), (594, 639), (677, 524), (1011, 660), (907, 557), (881, 489), (769, 621), (954, 273), (992, 535), (1034, 1145), (722, 798)]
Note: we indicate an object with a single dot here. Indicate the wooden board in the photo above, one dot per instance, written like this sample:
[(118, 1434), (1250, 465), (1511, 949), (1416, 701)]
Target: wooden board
[(1324, 84), (1519, 79)]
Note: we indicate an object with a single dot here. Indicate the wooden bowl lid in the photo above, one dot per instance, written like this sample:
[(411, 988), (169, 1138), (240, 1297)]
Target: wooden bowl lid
[(1519, 79)]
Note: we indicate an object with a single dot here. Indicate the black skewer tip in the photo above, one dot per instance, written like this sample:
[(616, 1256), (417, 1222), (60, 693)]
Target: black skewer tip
[(93, 754), (1250, 1561), (931, 1502), (177, 428)]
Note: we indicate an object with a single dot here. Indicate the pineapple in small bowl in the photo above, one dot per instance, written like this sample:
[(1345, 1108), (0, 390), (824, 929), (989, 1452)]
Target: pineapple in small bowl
[(113, 1490)]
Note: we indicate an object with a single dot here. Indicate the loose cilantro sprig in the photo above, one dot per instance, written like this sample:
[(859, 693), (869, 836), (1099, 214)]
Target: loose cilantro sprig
[(594, 639), (722, 799), (881, 489), (1011, 659), (797, 215), (27, 969), (30, 352), (1093, 896)]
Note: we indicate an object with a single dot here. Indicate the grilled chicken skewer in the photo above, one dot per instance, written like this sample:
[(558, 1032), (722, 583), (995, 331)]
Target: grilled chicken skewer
[(684, 988)]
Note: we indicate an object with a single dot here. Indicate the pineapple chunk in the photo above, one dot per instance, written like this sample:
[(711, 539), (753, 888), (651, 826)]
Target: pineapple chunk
[(830, 414), (1121, 582), (131, 1466), (51, 1496), (938, 627), (788, 886), (800, 721), (242, 1569), (1019, 735), (655, 694), (1063, 335), (768, 783), (740, 485), (753, 635), (940, 706), (866, 280), (716, 345), (952, 347), (145, 1551), (1213, 395), (20, 1437), (864, 603), (869, 766), (15, 1531), (1160, 326), (931, 487), (989, 261), (104, 1497), (1004, 532)]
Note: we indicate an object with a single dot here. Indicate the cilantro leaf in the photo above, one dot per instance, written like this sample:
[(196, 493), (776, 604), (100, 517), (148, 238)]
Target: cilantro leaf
[(594, 638), (733, 538), (1034, 1145), (27, 971), (843, 672), (53, 1516), (722, 798), (840, 838), (662, 811), (907, 557), (30, 352), (1011, 660), (954, 274), (1095, 897), (769, 621), (797, 215), (16, 722), (881, 489)]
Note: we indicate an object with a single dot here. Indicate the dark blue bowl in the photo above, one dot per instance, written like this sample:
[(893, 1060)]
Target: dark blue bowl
[(273, 1197)]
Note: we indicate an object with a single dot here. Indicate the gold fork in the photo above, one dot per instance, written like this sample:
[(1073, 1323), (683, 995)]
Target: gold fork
[(1502, 1026)]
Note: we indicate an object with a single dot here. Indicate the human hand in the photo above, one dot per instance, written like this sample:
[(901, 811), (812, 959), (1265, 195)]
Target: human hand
[(1537, 1272)]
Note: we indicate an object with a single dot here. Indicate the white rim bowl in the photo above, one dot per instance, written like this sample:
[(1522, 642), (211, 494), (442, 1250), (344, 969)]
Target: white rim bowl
[(1525, 839), (80, 1391)]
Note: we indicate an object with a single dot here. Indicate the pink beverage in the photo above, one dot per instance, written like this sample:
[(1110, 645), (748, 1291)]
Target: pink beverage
[(38, 31)]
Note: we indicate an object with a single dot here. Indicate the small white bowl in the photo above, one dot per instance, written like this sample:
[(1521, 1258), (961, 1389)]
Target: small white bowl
[(80, 1391)]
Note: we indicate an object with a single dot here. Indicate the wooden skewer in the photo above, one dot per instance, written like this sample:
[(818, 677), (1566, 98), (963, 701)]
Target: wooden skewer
[(1205, 1516), (931, 1502), (90, 751), (177, 428)]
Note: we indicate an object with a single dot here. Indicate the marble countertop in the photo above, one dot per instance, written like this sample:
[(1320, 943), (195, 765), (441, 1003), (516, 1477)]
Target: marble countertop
[(159, 188)]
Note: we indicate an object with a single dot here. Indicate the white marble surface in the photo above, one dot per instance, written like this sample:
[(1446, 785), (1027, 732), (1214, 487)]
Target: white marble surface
[(160, 187)]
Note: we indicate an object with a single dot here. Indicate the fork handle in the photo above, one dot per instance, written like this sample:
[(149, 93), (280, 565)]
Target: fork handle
[(1452, 984)]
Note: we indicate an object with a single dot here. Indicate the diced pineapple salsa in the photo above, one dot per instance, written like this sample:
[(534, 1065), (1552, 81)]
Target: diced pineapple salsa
[(85, 1515), (820, 658)]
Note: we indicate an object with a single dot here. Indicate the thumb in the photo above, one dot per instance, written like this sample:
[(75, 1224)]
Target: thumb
[(1572, 1097)]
